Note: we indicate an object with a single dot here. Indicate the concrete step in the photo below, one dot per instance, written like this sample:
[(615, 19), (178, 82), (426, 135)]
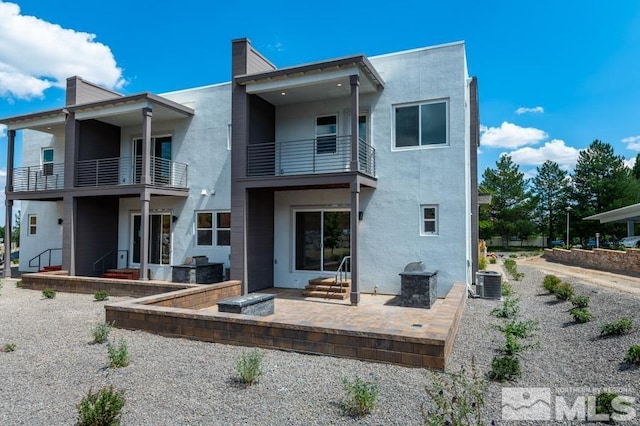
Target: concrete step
[(336, 288)]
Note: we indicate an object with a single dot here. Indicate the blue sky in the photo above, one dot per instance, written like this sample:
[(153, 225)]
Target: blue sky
[(553, 75)]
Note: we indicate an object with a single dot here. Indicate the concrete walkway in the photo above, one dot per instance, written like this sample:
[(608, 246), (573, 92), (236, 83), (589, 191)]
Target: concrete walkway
[(591, 277)]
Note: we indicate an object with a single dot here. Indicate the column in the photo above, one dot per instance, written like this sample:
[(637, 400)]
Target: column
[(355, 208), (68, 234), (145, 196), (355, 111), (11, 139)]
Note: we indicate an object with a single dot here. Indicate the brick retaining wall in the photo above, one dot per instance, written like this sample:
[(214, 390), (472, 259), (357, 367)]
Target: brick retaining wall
[(622, 262), (61, 281)]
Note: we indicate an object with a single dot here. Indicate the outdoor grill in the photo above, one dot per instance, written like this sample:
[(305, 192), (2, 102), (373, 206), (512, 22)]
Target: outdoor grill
[(418, 287), (197, 270)]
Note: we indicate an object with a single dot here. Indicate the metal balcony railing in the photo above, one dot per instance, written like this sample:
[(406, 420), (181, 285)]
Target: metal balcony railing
[(327, 154), (38, 178), (128, 171)]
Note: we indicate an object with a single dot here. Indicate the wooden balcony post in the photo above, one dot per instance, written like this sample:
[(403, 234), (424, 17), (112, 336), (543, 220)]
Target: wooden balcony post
[(147, 113), (11, 138), (355, 222)]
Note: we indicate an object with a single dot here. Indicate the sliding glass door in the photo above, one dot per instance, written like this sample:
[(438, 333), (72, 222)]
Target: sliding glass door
[(159, 238), (322, 239)]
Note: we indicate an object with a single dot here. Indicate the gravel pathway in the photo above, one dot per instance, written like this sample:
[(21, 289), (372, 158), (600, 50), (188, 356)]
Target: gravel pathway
[(180, 382)]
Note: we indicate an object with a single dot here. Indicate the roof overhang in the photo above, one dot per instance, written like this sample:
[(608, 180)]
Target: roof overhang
[(318, 80), (119, 111), (621, 215)]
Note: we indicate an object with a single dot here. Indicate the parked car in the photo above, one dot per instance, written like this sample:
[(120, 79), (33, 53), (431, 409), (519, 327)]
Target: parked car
[(630, 241), (557, 243)]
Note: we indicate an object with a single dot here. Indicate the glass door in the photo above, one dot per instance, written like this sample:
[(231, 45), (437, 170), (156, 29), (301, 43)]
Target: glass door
[(159, 238), (322, 239)]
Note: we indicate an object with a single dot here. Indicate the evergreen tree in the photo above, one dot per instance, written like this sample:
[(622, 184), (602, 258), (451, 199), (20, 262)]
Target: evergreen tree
[(551, 186), (601, 182), (511, 201)]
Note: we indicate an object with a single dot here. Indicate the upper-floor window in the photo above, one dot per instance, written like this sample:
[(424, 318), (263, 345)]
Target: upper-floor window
[(423, 124), (429, 220), (47, 161), (33, 224), (326, 134)]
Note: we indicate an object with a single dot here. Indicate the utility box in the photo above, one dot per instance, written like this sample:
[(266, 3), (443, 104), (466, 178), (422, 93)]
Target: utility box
[(489, 284)]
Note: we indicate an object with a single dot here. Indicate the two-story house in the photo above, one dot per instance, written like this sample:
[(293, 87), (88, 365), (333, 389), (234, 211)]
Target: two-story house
[(357, 164)]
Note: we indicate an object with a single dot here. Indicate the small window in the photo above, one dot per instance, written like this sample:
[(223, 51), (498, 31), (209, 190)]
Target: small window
[(33, 224), (421, 125), (47, 161), (204, 228), (326, 134), (429, 220), (223, 228)]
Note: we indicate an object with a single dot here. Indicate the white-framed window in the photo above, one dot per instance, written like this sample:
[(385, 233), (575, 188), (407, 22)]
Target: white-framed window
[(421, 124), (204, 228), (223, 228), (47, 161), (326, 134), (428, 219), (210, 223), (33, 224)]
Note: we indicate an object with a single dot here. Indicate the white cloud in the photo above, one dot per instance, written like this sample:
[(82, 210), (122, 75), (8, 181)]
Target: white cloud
[(3, 173), (3, 130), (510, 135), (630, 162), (36, 55), (633, 142), (554, 150), (277, 46), (535, 110)]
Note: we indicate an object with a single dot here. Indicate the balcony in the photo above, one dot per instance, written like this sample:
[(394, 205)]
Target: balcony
[(327, 154), (128, 171), (38, 178)]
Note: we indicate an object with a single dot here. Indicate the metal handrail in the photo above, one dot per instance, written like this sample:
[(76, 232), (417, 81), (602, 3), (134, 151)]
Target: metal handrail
[(39, 257), (109, 256), (326, 154), (38, 178), (341, 272), (128, 171)]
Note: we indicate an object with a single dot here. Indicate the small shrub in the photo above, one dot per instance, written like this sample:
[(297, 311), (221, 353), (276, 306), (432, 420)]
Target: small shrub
[(0, 285), (249, 366), (8, 347), (482, 263), (101, 332), (509, 309), (580, 301), (360, 397), (605, 404), (101, 295), (493, 260), (102, 408), (458, 398), (520, 329), (19, 284), (564, 291), (48, 293), (633, 355), (118, 354), (616, 328), (505, 368), (581, 315), (513, 256), (550, 283), (507, 289)]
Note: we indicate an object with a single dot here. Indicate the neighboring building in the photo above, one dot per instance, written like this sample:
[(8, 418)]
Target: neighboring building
[(280, 174)]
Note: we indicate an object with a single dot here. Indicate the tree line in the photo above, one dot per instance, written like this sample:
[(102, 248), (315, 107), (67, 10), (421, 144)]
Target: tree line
[(538, 206)]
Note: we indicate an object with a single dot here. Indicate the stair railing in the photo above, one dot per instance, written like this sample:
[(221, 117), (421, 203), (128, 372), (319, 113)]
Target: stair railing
[(109, 260), (343, 269), (39, 256)]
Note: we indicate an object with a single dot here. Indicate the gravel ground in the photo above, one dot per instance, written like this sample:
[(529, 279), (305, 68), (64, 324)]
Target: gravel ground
[(178, 381)]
